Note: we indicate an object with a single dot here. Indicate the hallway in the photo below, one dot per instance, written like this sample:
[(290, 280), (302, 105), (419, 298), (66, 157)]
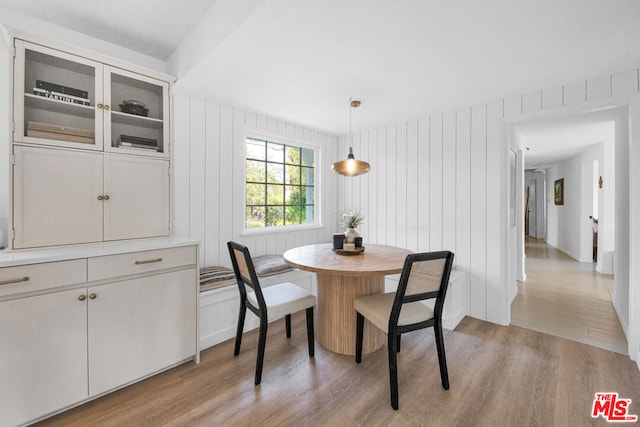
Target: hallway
[(565, 298)]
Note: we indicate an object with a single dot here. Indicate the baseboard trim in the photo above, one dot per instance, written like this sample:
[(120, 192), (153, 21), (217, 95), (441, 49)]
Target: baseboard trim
[(622, 321)]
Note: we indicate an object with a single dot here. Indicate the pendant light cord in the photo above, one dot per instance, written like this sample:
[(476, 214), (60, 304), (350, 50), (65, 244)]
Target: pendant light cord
[(350, 131)]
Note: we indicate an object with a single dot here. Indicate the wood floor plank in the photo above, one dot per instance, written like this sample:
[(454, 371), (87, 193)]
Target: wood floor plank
[(500, 376), (567, 298)]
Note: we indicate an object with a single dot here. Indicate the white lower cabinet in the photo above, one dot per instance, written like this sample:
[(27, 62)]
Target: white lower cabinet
[(136, 327), (43, 355), (94, 325)]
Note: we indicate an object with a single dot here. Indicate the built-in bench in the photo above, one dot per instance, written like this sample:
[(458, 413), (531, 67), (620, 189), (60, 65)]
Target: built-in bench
[(219, 276), (219, 296)]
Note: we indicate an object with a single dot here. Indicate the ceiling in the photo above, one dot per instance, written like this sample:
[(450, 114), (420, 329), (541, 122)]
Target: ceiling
[(301, 60), (550, 141)]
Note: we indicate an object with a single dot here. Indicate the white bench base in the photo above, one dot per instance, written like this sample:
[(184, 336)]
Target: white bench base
[(219, 307)]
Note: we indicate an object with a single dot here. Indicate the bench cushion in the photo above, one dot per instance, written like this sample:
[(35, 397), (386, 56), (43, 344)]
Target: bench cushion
[(269, 265), (216, 277)]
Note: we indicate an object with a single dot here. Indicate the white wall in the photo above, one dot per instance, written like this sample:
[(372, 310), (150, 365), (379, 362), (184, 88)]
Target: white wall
[(52, 32), (440, 182), (633, 331), (437, 183), (621, 257), (209, 141), (569, 227)]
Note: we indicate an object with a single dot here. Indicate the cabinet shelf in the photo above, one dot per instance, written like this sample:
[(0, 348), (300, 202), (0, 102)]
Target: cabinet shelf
[(134, 120), (62, 107)]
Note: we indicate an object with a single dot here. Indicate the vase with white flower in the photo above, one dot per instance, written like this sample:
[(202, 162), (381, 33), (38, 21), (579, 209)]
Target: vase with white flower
[(351, 221)]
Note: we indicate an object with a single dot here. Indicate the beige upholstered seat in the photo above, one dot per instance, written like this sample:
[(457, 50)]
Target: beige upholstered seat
[(268, 304), (282, 299), (424, 276), (377, 308)]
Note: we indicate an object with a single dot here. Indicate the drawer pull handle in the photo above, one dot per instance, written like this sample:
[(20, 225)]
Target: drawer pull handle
[(93, 296), (10, 281), (148, 261), (82, 297)]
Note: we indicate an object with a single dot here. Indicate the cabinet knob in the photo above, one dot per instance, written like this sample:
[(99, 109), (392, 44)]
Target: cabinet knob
[(106, 107), (93, 296), (82, 297), (101, 197), (106, 197), (101, 106)]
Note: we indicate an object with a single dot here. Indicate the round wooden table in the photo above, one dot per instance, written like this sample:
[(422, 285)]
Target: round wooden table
[(341, 279)]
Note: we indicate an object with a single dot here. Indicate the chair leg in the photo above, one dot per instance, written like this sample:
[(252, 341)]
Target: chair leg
[(359, 334), (442, 360), (241, 316), (398, 343), (393, 369), (262, 339), (310, 334), (287, 322)]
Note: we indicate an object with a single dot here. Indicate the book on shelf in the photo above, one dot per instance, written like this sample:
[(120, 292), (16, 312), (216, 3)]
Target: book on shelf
[(61, 97), (137, 143), (138, 148), (149, 142), (60, 133), (65, 90)]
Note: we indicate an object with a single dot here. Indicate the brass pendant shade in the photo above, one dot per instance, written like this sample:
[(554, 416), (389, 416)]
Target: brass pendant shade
[(351, 166)]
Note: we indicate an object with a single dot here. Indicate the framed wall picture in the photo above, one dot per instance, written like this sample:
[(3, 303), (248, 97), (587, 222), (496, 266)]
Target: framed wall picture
[(558, 191)]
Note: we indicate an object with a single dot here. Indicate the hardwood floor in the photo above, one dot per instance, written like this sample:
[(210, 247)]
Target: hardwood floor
[(500, 376), (566, 298)]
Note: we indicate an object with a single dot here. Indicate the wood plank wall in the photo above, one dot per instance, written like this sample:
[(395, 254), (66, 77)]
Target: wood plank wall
[(441, 182), (437, 182), (209, 178)]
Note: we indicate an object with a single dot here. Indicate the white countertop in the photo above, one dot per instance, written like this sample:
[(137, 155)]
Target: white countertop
[(24, 257)]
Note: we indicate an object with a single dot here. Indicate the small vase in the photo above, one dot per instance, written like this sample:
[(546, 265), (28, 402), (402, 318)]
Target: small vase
[(350, 235)]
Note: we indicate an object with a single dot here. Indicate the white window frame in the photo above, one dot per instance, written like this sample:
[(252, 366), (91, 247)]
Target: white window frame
[(316, 187)]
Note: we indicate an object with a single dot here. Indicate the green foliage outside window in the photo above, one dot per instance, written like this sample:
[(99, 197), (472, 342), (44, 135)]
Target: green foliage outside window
[(280, 184)]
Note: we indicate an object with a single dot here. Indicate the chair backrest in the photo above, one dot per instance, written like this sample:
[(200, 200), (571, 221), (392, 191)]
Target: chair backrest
[(424, 276), (245, 272)]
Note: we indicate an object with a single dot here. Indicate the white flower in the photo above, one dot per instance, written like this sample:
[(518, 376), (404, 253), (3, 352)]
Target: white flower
[(352, 219)]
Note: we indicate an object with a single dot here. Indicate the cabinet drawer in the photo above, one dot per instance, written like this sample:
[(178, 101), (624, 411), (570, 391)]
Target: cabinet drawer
[(109, 266), (35, 277)]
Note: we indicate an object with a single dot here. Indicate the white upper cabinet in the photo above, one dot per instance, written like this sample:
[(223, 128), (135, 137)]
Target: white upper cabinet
[(56, 95), (91, 149), (69, 101)]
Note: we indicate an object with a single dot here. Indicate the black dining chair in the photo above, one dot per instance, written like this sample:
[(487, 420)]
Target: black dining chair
[(268, 304), (424, 276)]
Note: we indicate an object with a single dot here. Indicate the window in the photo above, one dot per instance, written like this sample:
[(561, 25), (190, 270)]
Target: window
[(280, 184)]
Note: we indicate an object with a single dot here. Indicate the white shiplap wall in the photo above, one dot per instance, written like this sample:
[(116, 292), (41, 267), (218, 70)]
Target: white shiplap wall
[(441, 182), (209, 178)]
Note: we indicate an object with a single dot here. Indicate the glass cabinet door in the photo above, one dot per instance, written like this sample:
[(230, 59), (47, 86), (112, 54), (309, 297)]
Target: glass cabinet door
[(55, 98), (136, 108)]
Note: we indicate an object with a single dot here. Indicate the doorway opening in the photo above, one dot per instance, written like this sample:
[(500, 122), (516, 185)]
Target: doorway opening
[(568, 285)]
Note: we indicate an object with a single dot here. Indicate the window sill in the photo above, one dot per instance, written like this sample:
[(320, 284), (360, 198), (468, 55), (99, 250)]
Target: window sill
[(250, 232)]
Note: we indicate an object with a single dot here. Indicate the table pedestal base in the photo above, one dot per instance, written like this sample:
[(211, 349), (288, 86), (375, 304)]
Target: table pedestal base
[(336, 326)]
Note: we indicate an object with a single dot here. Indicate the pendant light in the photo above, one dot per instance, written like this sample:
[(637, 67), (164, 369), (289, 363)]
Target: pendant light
[(351, 166)]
